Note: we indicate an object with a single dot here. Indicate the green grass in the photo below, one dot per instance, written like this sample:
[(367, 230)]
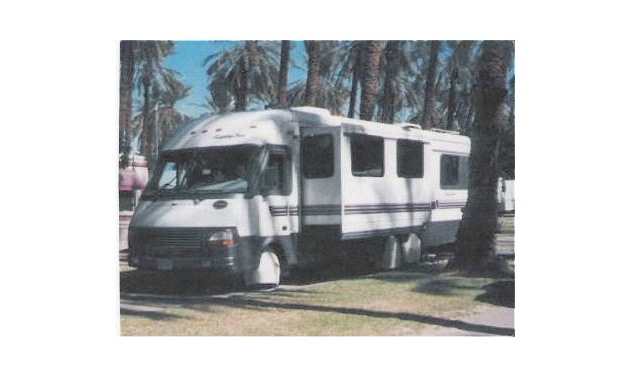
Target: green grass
[(405, 302), (393, 303)]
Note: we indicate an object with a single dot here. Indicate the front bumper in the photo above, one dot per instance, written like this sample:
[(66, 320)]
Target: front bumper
[(187, 249), (223, 261)]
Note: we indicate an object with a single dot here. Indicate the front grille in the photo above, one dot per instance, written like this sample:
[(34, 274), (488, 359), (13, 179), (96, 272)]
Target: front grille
[(172, 241)]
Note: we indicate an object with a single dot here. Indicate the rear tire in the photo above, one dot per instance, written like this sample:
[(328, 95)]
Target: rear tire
[(268, 273), (390, 257), (411, 249)]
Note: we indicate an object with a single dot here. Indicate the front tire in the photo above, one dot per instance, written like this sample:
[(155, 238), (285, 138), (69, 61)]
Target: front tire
[(268, 272)]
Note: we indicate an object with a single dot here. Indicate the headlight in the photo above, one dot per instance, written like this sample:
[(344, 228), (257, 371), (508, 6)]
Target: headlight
[(222, 238)]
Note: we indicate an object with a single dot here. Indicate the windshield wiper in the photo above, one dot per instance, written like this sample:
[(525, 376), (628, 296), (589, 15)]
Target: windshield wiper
[(168, 183)]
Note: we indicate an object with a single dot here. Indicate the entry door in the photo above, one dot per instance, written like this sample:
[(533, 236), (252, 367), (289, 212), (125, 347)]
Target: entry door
[(279, 190), (320, 180)]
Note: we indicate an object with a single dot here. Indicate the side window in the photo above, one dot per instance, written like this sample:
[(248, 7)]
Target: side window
[(318, 159), (409, 159), (453, 172), (277, 175), (367, 155)]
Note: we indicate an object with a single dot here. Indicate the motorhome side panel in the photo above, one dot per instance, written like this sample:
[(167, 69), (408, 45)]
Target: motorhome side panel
[(381, 198), (448, 170)]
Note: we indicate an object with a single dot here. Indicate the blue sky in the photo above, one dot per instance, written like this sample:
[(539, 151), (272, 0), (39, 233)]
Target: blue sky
[(188, 60)]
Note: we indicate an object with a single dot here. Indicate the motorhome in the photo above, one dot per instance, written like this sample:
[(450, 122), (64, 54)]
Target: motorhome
[(505, 195), (133, 175), (257, 193)]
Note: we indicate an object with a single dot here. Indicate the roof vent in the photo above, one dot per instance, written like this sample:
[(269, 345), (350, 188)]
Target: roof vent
[(409, 126), (445, 131)]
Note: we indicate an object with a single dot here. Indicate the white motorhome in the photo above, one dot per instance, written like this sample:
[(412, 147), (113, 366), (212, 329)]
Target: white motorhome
[(257, 193), (505, 195)]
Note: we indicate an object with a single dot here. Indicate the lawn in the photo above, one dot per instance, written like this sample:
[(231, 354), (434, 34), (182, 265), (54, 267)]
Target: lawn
[(404, 302)]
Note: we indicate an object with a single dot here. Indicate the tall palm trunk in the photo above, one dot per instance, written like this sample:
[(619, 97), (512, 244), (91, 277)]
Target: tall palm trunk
[(127, 69), (369, 78), (147, 129), (429, 91), (314, 49), (356, 77), (452, 101), (285, 53), (392, 69), (476, 234), (241, 84)]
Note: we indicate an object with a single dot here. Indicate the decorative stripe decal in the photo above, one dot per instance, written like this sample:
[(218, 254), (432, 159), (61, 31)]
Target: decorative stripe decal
[(322, 210), (387, 208), (442, 204), (279, 211), (315, 210)]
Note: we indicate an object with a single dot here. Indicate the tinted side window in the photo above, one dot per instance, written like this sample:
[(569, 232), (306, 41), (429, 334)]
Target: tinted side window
[(367, 155), (277, 174), (410, 161), (318, 157), (453, 172)]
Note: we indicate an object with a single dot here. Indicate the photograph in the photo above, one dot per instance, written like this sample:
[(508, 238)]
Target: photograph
[(316, 187)]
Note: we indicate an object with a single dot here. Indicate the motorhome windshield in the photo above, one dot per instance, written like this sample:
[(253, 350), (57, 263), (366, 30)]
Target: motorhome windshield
[(215, 169)]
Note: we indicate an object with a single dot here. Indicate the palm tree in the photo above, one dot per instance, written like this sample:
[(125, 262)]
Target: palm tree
[(475, 240), (370, 58), (128, 57), (331, 93), (285, 54), (314, 50), (347, 56), (391, 100), (466, 79), (249, 69), (169, 116), (427, 121), (330, 96), (151, 56), (399, 71), (163, 116)]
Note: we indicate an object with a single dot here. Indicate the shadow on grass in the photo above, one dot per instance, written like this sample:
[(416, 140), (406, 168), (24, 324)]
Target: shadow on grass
[(444, 287), (181, 286), (161, 283), (153, 315), (500, 293), (248, 303), (196, 283)]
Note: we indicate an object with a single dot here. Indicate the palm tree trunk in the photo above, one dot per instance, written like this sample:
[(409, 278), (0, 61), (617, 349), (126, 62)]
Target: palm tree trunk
[(476, 234), (241, 85), (452, 101), (127, 69), (429, 91), (285, 53), (470, 116), (392, 68), (371, 55), (314, 49), (356, 77), (147, 134)]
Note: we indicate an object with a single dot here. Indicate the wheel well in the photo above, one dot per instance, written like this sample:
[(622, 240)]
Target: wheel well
[(277, 248)]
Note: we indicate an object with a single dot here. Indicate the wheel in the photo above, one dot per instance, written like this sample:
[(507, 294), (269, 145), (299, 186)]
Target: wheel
[(390, 256), (411, 248), (268, 272)]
